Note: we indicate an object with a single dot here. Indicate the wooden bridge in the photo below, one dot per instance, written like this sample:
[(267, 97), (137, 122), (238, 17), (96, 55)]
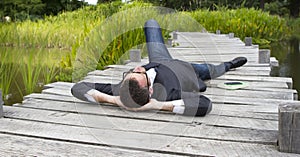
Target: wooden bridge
[(243, 122)]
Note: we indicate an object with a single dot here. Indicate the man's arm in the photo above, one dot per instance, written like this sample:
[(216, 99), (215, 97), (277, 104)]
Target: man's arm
[(194, 105), (95, 93)]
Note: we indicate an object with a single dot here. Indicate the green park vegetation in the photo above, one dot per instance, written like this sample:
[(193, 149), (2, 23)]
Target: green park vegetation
[(57, 48)]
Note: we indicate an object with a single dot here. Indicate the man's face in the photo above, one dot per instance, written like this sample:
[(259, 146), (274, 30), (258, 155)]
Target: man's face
[(139, 74)]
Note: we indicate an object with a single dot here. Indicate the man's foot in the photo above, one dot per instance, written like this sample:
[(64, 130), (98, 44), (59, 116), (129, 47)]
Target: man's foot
[(238, 62)]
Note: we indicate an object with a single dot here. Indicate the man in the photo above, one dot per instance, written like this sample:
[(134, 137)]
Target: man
[(162, 84)]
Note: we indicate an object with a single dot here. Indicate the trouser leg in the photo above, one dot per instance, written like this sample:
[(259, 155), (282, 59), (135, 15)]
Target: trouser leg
[(210, 71), (157, 50)]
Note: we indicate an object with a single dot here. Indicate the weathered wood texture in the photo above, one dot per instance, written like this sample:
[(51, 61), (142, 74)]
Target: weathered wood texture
[(1, 105), (264, 56), (18, 145), (243, 122), (289, 127), (135, 55)]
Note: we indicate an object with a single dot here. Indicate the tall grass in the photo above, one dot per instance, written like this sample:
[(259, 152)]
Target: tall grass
[(8, 71), (23, 71), (259, 25)]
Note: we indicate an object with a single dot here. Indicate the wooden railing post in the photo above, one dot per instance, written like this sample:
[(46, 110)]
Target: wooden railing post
[(1, 105), (135, 55), (175, 35), (264, 56), (248, 41), (289, 127), (170, 41), (231, 35)]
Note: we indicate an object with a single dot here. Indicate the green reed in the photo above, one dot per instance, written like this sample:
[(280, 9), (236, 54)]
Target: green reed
[(8, 71), (259, 25)]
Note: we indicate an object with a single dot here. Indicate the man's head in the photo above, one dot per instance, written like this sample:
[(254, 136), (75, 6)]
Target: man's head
[(135, 89)]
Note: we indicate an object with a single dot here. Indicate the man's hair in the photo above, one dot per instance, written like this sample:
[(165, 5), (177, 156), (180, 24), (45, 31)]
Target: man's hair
[(132, 95)]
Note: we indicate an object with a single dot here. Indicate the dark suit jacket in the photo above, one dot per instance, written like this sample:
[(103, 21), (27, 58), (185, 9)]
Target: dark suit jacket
[(174, 80)]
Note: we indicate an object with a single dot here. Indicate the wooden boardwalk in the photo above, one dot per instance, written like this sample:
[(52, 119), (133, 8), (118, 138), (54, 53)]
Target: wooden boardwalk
[(243, 122)]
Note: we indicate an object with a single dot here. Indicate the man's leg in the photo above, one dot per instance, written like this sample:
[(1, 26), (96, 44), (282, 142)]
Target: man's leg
[(157, 51), (210, 71)]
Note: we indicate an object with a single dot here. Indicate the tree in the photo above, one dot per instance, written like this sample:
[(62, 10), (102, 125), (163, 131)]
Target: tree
[(294, 8), (53, 7), (22, 9)]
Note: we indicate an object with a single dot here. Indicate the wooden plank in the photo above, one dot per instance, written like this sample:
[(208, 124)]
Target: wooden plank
[(1, 104), (215, 99), (218, 108), (283, 95), (210, 51), (196, 44), (135, 140), (117, 70), (268, 112), (240, 122), (254, 85), (145, 126), (15, 145), (260, 86), (289, 127), (246, 68), (286, 80), (246, 100)]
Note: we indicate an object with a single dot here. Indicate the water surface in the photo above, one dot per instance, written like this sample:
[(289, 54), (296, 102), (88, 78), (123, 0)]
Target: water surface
[(288, 55)]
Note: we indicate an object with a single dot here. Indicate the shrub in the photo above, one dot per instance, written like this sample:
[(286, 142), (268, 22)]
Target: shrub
[(259, 25)]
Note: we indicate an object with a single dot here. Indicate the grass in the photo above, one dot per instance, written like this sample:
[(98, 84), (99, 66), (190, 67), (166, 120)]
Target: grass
[(259, 25), (24, 71), (8, 73)]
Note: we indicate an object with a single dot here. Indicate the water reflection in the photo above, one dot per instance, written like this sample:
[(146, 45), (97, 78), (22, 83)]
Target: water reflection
[(288, 55)]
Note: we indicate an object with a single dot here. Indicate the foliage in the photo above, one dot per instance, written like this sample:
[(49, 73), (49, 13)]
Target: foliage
[(20, 10), (294, 24), (261, 26), (277, 8)]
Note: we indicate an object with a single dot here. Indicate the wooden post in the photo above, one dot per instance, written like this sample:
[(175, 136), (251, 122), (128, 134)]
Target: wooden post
[(135, 55), (274, 62), (218, 32), (175, 35), (231, 35), (170, 42), (1, 105), (289, 127), (248, 41), (264, 56)]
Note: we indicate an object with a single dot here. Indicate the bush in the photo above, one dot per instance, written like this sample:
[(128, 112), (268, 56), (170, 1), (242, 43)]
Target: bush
[(259, 25)]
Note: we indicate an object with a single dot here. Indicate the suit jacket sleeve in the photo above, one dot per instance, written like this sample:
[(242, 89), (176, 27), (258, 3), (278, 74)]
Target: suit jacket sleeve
[(196, 104), (80, 89)]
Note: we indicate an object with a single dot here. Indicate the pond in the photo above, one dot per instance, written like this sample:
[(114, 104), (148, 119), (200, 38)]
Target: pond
[(288, 55), (26, 70)]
